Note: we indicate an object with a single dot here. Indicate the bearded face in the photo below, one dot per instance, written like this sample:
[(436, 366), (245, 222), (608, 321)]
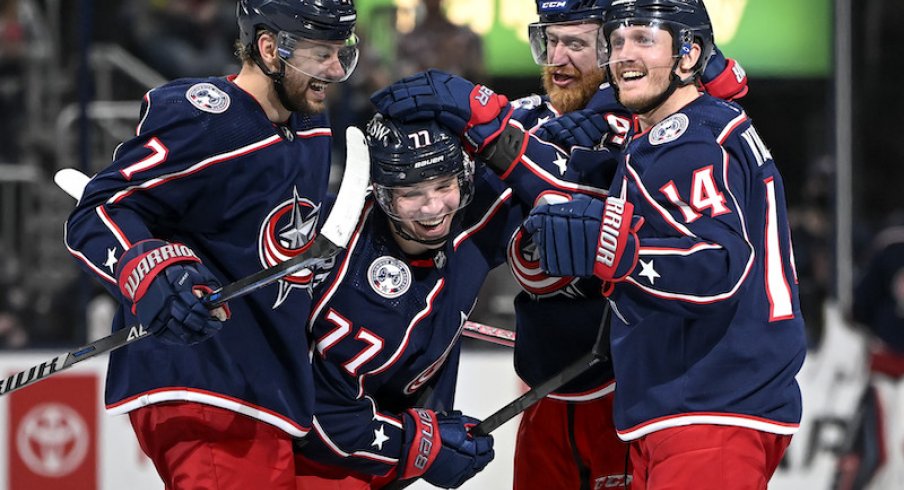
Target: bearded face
[(575, 94), (572, 74)]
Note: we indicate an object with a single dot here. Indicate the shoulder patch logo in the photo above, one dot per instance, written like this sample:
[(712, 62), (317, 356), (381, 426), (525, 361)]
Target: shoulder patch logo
[(669, 129), (389, 276), (208, 98), (527, 103)]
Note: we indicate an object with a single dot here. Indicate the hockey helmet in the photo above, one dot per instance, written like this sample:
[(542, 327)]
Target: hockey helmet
[(686, 20), (403, 155), (307, 32), (554, 12)]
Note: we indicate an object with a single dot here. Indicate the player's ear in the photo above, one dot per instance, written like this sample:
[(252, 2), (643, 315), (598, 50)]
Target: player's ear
[(266, 46), (689, 59)]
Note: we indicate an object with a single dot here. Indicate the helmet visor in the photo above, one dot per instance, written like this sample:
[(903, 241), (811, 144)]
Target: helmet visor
[(551, 44), (620, 39), (330, 61)]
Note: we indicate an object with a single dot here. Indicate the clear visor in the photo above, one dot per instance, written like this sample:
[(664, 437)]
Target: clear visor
[(427, 202), (626, 39), (551, 44), (330, 61)]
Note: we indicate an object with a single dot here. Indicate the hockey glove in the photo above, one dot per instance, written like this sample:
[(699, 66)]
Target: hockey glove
[(474, 111), (586, 236), (724, 78), (584, 128), (439, 449), (163, 282)]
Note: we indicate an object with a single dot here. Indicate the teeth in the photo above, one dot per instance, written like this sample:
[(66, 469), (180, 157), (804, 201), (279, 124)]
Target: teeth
[(632, 74), (318, 86), (430, 223)]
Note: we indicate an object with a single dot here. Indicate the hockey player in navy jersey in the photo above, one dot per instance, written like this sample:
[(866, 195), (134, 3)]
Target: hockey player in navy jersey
[(387, 323), (694, 250), (224, 178), (567, 440)]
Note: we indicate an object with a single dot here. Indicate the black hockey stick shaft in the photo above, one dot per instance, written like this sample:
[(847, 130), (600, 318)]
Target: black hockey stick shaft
[(307, 259), (61, 362), (320, 251), (597, 354)]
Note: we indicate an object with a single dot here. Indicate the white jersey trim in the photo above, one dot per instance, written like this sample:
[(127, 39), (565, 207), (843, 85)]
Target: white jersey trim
[(735, 420), (208, 398)]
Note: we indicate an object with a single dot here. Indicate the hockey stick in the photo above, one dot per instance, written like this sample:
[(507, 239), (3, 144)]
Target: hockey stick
[(596, 355), (73, 182), (487, 333), (333, 237)]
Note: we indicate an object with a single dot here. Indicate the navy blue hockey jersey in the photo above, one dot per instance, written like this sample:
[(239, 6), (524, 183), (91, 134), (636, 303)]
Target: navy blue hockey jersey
[(386, 329), (558, 318), (208, 169), (707, 328)]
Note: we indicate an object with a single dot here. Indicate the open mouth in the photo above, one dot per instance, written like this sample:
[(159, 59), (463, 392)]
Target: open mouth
[(431, 224), (318, 86), (563, 79), (431, 227), (631, 74)]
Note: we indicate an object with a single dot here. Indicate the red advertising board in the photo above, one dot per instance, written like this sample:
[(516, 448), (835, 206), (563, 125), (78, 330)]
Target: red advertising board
[(51, 438)]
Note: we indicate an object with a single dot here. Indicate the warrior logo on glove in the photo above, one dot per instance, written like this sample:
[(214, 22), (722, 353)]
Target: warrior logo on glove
[(155, 260), (612, 222)]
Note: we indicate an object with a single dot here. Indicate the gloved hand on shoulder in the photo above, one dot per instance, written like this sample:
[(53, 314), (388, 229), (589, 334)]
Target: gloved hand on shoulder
[(473, 111), (578, 129)]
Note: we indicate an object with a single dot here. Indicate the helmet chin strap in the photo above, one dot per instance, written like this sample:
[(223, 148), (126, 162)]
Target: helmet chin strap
[(277, 78)]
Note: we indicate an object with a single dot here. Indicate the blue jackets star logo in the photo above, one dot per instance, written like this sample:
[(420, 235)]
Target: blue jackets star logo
[(286, 231)]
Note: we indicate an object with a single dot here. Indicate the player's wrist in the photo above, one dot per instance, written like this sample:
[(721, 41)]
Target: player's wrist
[(505, 151)]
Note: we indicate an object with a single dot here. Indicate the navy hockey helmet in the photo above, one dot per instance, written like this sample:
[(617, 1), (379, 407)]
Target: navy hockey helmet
[(403, 155), (325, 20), (553, 12), (311, 34), (561, 11), (686, 20)]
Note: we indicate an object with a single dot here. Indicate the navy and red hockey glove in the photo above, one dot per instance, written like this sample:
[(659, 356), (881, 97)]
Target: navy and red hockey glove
[(579, 129), (724, 77), (162, 281), (473, 111), (585, 237), (439, 449)]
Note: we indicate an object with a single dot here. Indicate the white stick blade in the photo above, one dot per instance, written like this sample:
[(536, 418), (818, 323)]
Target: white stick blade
[(72, 181), (340, 224)]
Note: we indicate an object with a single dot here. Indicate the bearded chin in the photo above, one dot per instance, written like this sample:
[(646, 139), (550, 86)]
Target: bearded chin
[(575, 97)]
